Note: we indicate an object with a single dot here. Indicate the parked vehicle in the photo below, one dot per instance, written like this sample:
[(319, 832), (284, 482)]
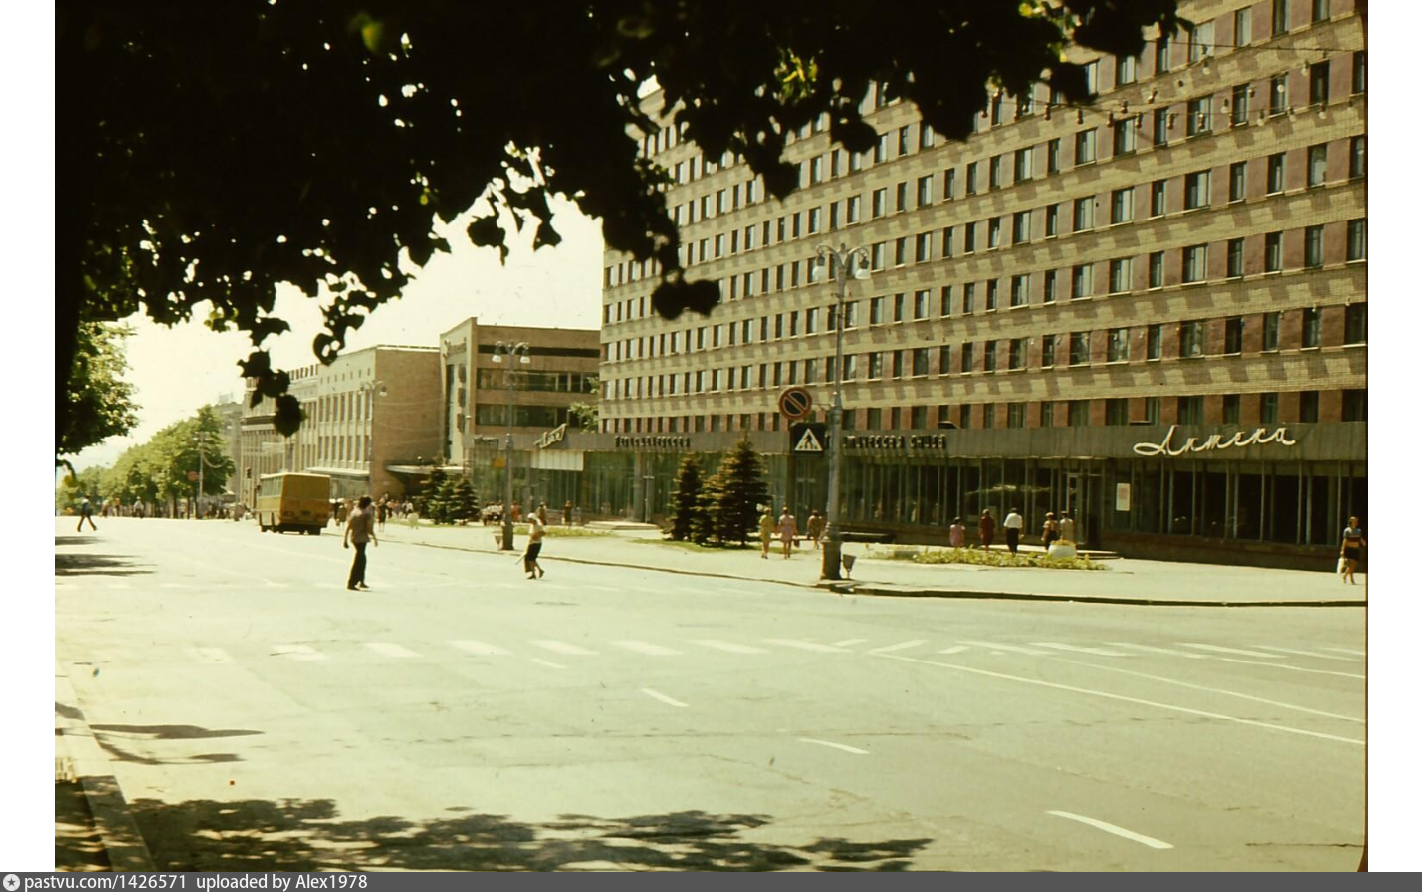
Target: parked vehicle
[(294, 502)]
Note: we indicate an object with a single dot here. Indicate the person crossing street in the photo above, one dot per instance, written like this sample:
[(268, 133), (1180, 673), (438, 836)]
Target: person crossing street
[(360, 529)]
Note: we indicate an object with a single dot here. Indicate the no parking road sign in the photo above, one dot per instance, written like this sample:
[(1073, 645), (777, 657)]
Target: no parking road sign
[(795, 402)]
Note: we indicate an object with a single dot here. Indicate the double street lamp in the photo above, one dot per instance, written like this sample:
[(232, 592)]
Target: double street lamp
[(513, 352), (842, 263)]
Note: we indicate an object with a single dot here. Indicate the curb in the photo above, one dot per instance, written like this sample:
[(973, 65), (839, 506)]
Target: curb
[(850, 587), (123, 843)]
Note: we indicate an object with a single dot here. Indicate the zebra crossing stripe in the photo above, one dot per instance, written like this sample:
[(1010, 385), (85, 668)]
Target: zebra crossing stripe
[(1231, 650), (807, 645), (956, 649), (902, 645), (560, 647), (730, 648), (1012, 647), (480, 648), (1098, 651), (848, 641), (651, 650), (1346, 650), (1158, 650), (1307, 653), (389, 650), (298, 652)]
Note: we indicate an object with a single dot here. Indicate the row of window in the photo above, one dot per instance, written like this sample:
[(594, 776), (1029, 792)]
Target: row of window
[(323, 451), (353, 405), (1263, 409), (1020, 290), (1078, 348)]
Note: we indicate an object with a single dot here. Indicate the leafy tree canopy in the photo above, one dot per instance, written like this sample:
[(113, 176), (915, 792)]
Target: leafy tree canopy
[(100, 401), (213, 150)]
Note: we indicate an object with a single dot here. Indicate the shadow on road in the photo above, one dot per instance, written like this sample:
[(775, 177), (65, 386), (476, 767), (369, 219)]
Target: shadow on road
[(97, 565), (174, 732), (304, 835)]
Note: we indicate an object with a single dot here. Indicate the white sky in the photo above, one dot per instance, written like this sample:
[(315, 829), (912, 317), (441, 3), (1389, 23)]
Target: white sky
[(176, 371)]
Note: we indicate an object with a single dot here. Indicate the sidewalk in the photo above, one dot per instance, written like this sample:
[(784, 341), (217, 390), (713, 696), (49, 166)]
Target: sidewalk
[(1124, 582)]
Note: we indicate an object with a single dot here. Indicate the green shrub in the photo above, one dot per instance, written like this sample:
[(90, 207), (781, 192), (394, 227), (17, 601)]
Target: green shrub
[(980, 558)]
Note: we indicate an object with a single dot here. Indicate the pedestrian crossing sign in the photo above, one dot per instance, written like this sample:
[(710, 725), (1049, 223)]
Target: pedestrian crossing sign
[(809, 442)]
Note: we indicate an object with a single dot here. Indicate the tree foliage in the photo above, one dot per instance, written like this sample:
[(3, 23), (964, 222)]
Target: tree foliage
[(688, 504), (157, 470), (100, 402), (735, 492), (213, 150)]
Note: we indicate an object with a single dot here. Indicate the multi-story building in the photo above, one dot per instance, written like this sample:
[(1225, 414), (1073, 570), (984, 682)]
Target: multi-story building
[(480, 385), (1057, 305), (372, 423)]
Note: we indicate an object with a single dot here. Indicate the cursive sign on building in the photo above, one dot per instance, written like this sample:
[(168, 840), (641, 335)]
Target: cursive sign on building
[(1212, 442), (554, 436)]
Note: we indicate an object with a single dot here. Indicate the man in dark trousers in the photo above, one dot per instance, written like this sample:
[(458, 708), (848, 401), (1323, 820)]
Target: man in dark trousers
[(360, 529), (86, 512)]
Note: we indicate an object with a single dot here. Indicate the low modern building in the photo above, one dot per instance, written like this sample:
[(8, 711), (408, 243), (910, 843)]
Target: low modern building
[(1089, 308)]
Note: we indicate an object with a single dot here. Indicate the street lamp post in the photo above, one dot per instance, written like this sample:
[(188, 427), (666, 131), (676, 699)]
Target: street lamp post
[(841, 259), (508, 351), (200, 438)]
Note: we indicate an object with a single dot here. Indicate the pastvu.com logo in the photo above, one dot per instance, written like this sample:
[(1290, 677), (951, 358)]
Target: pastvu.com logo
[(12, 882)]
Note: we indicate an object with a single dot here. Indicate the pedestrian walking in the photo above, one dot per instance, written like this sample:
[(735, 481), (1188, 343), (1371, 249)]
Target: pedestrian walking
[(815, 527), (543, 513), (1068, 528), (568, 513), (1050, 531), (1352, 550), (957, 534), (1012, 527), (987, 528), (535, 545), (381, 509), (360, 529), (767, 529), (86, 512), (788, 532)]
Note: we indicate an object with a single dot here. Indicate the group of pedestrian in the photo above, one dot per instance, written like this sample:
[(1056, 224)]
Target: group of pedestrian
[(788, 531), (1013, 526)]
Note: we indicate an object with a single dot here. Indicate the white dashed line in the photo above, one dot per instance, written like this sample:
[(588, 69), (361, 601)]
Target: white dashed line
[(1098, 651), (651, 650), (806, 645), (839, 746), (547, 663), (1158, 650), (560, 647), (389, 650), (902, 645), (658, 695), (730, 648), (1198, 687), (1021, 650), (848, 641), (1231, 650), (1307, 653), (1112, 828), (1345, 650), (957, 649), (1291, 668)]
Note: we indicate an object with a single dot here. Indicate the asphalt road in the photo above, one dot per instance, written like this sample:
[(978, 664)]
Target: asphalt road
[(258, 715)]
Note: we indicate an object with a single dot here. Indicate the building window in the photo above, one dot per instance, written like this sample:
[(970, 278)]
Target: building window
[(920, 362), (1049, 286), (879, 204), (1049, 351), (1016, 414), (1157, 198), (992, 294), (995, 172), (970, 294), (1126, 70), (1080, 348), (1360, 72), (1047, 411), (1162, 54), (1078, 413), (1271, 332), (970, 179), (1123, 137), (1357, 239), (1161, 132), (1190, 410), (1280, 18), (1236, 180), (1118, 345), (1051, 226), (1318, 83), (1234, 335), (901, 197), (1157, 269), (990, 416), (1022, 165), (1278, 94), (945, 300), (1083, 214), (1320, 11), (1356, 159), (1355, 405), (1120, 275), (1118, 413), (1229, 413), (1123, 205), (1243, 18), (1152, 410), (920, 304), (1268, 408), (1239, 105), (1017, 353), (1054, 154), (923, 247), (1193, 263), (1192, 339), (925, 136), (970, 237), (1197, 190), (1198, 120), (990, 356), (965, 358), (1308, 407), (1312, 327), (1202, 41), (1317, 164), (876, 311), (995, 232), (1234, 258), (1273, 252), (1020, 284), (1313, 246), (945, 359), (1081, 281), (925, 191), (1086, 146), (901, 251), (1355, 324), (903, 141), (898, 356), (1021, 227), (950, 178)]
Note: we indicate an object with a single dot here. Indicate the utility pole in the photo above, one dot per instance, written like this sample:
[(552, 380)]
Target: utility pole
[(507, 351)]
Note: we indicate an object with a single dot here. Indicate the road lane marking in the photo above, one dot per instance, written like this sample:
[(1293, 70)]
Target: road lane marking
[(1307, 653), (1158, 650), (299, 652), (1346, 650), (1112, 828), (208, 654), (953, 650), (1099, 651), (839, 746), (658, 695), (1111, 696), (1186, 684), (1021, 650), (389, 650), (1231, 650), (1291, 668), (730, 648), (902, 645), (848, 641), (651, 650), (807, 645), (548, 663), (480, 648), (560, 647)]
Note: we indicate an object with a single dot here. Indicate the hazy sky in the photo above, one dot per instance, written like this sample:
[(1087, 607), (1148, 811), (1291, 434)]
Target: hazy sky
[(178, 370)]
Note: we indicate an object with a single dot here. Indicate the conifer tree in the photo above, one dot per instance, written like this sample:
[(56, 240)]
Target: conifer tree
[(738, 490), (464, 501), (687, 500)]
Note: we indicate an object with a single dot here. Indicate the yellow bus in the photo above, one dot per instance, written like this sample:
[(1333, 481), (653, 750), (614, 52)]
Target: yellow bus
[(288, 501)]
